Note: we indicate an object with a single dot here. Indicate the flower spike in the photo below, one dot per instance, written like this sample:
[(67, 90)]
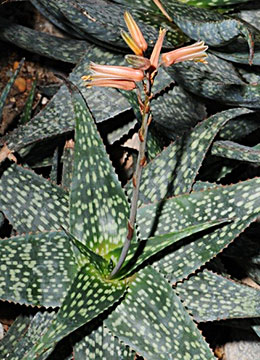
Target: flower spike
[(195, 52)]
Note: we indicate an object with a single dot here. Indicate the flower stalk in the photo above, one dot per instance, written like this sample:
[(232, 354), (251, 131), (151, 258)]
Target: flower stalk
[(122, 77)]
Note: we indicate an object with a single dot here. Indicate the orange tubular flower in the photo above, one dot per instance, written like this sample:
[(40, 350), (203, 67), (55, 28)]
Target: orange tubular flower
[(119, 77), (154, 59), (136, 41), (118, 84), (195, 52), (116, 72)]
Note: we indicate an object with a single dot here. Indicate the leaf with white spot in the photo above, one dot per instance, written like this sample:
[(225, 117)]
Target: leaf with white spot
[(54, 47), (32, 203), (176, 112), (58, 115), (17, 331), (212, 297), (143, 250), (218, 81), (175, 169), (239, 202), (89, 296), (98, 206), (211, 26), (214, 3), (15, 344), (240, 127), (194, 253), (153, 321), (232, 150), (36, 269), (231, 202), (101, 344)]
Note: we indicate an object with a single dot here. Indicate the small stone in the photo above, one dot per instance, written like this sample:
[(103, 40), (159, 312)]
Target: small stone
[(20, 84)]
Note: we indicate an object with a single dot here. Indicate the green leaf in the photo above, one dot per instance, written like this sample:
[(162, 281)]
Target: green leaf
[(17, 331), (15, 346), (213, 3), (212, 27), (218, 81), (30, 202), (58, 116), (8, 86), (102, 344), (145, 249), (89, 296), (26, 116), (239, 203), (153, 321), (240, 127), (68, 50), (229, 202), (98, 211), (176, 111), (67, 165), (191, 255), (232, 150), (175, 169), (100, 21), (36, 269), (212, 297)]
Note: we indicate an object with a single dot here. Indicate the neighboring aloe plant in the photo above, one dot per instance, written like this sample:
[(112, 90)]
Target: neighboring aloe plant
[(69, 242)]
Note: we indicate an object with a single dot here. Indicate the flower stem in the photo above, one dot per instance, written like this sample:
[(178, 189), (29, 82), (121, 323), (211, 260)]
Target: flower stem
[(141, 161)]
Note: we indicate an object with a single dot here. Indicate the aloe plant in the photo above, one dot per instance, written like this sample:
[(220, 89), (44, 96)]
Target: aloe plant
[(68, 239)]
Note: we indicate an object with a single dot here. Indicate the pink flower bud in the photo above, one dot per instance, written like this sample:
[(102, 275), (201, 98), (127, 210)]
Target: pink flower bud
[(138, 62), (135, 31)]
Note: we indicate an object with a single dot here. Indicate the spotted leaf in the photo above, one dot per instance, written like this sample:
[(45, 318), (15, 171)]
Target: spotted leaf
[(58, 115), (190, 256), (239, 203), (217, 81), (26, 115), (98, 210), (67, 165), (212, 297), (153, 321), (89, 296), (32, 203), (231, 202), (13, 346), (213, 3), (17, 331), (146, 249), (211, 26), (36, 269), (68, 50), (175, 169), (175, 112), (239, 127), (232, 150), (99, 20), (102, 344)]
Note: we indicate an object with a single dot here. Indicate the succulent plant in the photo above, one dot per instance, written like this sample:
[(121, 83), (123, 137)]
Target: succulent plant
[(67, 239)]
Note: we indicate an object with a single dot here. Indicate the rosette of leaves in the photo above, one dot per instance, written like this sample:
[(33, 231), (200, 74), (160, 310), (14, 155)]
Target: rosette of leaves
[(67, 244)]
